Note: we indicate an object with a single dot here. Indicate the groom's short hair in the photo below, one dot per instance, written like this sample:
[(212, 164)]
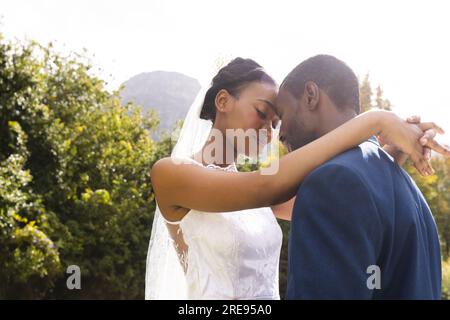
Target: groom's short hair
[(331, 75)]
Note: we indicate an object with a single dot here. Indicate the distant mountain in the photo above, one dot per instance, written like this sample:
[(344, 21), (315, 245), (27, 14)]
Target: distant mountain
[(169, 93)]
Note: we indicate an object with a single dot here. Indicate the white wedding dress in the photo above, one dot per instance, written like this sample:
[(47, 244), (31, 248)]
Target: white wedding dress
[(231, 255)]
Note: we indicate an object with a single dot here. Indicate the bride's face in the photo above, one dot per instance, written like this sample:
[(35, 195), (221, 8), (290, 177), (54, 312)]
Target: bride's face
[(252, 111)]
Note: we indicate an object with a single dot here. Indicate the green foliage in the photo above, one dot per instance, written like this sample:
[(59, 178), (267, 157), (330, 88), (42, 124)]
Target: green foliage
[(29, 260), (74, 179), (380, 102), (436, 190), (446, 279), (366, 96), (253, 165)]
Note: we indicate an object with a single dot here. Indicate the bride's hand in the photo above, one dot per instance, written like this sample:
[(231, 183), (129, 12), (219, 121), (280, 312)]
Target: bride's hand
[(430, 130), (407, 137), (427, 140)]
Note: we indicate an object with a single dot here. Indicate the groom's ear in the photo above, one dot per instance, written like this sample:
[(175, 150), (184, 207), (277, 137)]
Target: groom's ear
[(311, 95)]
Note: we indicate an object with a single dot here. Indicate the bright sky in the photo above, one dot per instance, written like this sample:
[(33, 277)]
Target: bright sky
[(403, 44)]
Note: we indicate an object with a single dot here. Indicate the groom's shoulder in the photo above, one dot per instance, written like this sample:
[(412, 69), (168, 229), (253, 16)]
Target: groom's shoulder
[(360, 160), (368, 151)]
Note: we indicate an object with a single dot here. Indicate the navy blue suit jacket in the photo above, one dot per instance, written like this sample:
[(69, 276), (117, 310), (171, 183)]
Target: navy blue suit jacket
[(356, 211)]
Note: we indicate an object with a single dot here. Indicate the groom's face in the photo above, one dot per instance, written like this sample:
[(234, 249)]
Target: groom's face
[(298, 123)]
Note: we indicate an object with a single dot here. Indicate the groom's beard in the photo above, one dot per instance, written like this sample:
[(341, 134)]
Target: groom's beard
[(299, 142), (298, 134)]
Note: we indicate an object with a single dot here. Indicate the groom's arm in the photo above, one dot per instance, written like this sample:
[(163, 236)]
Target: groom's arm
[(284, 210), (336, 235)]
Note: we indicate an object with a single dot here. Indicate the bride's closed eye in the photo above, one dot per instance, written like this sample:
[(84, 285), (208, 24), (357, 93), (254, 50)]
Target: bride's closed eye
[(261, 114), (273, 122)]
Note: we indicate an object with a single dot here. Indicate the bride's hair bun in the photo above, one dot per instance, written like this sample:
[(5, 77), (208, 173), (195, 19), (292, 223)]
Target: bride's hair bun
[(233, 77)]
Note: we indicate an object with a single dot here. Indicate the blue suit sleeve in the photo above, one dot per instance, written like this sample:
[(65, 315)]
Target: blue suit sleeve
[(335, 236)]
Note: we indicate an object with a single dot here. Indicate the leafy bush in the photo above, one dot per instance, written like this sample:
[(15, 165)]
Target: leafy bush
[(74, 179), (446, 279)]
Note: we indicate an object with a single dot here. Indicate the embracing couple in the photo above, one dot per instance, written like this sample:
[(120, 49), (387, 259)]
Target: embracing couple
[(360, 227)]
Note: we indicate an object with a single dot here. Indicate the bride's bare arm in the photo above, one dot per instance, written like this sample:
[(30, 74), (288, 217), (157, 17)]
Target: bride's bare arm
[(189, 186), (284, 210)]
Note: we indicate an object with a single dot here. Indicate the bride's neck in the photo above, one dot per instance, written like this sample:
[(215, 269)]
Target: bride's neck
[(211, 157)]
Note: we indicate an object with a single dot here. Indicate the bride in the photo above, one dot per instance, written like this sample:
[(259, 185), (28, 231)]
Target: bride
[(215, 234)]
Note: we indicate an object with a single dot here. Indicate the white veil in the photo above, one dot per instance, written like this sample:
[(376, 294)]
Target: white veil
[(165, 278)]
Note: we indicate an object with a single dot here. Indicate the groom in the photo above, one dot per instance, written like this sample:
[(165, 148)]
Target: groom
[(360, 229)]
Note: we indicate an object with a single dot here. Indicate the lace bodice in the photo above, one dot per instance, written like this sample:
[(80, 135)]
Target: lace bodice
[(231, 255)]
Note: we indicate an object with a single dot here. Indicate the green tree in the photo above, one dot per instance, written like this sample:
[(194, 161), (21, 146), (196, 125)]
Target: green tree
[(380, 102), (367, 99), (365, 94), (29, 260), (75, 182), (436, 189)]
